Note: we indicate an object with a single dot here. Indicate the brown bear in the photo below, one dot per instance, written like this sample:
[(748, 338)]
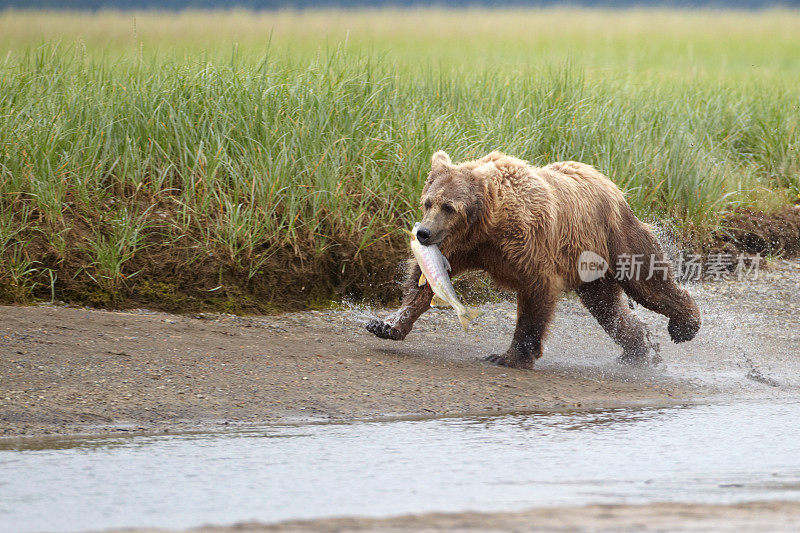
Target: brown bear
[(527, 227)]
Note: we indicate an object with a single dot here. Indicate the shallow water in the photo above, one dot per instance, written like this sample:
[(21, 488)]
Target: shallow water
[(711, 453)]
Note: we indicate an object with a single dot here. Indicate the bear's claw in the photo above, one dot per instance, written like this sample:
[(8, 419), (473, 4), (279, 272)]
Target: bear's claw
[(383, 330), (502, 360), (683, 331), (498, 360), (638, 359)]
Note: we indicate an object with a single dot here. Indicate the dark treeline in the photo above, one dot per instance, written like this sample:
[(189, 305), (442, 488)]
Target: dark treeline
[(172, 5)]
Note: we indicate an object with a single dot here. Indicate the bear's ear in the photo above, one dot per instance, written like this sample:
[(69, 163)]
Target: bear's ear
[(440, 160), (486, 170)]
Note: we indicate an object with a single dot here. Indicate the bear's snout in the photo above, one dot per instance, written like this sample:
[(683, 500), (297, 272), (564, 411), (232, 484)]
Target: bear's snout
[(423, 235)]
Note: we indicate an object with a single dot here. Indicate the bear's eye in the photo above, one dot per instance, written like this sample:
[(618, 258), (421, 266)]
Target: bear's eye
[(449, 209), (428, 204)]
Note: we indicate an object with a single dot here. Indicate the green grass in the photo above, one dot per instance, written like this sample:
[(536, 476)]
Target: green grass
[(270, 159)]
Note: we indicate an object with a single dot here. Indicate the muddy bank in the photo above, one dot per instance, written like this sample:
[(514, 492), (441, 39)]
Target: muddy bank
[(759, 516), (756, 232), (73, 370), (169, 273)]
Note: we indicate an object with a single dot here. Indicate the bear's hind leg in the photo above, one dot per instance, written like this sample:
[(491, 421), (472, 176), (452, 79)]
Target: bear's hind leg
[(605, 301), (660, 293), (671, 300), (663, 295), (535, 310)]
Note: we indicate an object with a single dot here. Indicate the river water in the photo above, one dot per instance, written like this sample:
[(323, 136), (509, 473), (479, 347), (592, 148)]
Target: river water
[(719, 453)]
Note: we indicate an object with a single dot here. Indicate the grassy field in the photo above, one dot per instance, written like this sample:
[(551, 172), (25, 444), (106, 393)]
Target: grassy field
[(247, 161)]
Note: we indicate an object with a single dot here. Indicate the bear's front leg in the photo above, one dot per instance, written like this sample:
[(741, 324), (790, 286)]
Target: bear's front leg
[(534, 312), (416, 300)]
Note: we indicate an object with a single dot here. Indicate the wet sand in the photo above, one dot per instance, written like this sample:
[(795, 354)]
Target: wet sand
[(86, 371), (757, 516), (81, 371), (74, 370)]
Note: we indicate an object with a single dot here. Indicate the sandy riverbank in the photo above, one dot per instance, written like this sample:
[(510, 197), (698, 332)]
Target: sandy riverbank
[(757, 516), (73, 370)]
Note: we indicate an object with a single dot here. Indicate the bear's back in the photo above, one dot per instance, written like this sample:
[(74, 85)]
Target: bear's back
[(589, 207), (567, 173)]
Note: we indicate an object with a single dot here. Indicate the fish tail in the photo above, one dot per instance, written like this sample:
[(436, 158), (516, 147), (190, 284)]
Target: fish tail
[(467, 315), (439, 302)]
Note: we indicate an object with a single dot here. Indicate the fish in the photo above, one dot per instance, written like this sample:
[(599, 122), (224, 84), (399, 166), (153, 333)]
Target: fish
[(435, 268)]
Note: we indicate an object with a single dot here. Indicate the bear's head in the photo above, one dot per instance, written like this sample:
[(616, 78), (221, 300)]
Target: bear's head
[(452, 200)]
